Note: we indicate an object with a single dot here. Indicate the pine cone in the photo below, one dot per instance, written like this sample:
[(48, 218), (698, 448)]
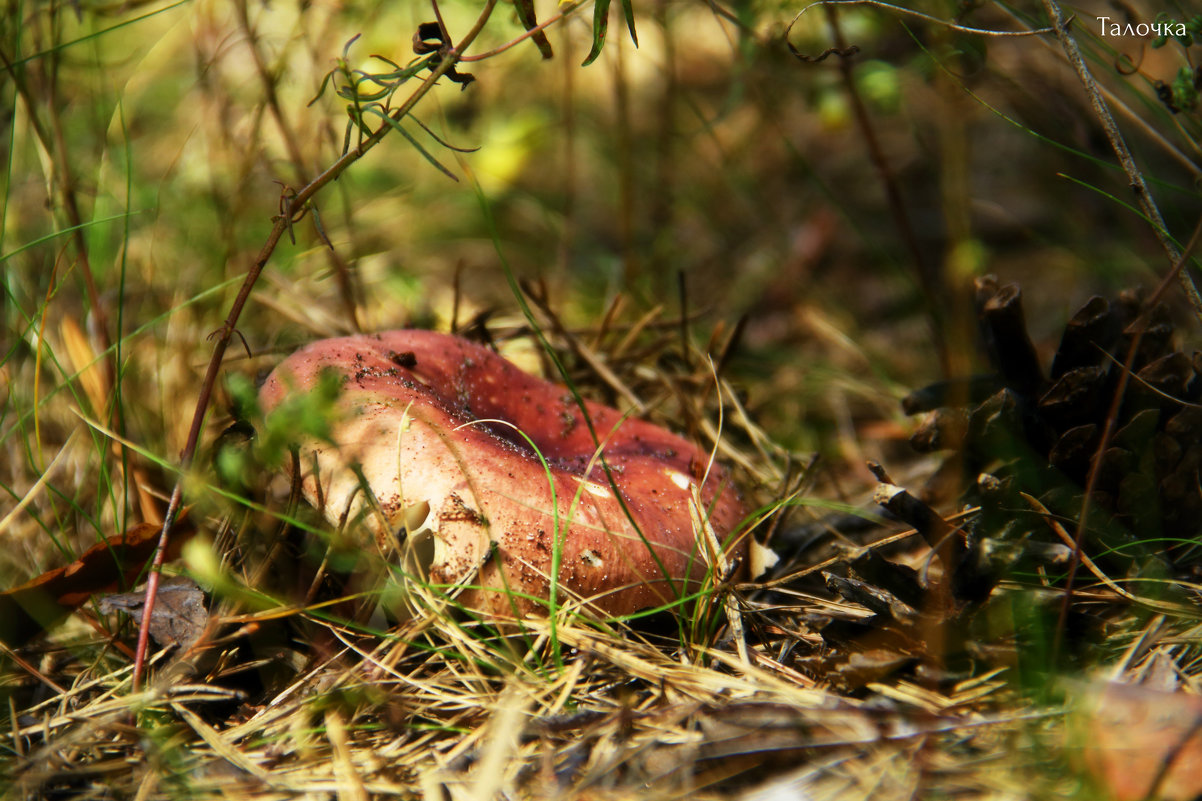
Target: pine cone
[(1040, 436)]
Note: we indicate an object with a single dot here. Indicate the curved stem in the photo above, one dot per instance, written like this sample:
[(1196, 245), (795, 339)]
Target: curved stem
[(537, 29)]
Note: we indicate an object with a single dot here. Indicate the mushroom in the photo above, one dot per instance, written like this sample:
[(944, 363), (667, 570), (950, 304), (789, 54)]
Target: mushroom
[(482, 472)]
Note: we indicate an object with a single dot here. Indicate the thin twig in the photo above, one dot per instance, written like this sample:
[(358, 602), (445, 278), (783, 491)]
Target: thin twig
[(918, 14), (338, 265), (1124, 108), (928, 278), (1142, 193)]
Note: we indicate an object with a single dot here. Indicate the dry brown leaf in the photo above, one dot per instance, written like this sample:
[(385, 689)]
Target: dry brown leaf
[(179, 615)]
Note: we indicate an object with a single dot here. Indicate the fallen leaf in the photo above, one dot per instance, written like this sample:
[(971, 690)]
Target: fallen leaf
[(1141, 743), (179, 615)]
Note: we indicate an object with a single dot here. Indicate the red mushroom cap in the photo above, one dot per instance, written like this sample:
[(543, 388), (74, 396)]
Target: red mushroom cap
[(438, 427)]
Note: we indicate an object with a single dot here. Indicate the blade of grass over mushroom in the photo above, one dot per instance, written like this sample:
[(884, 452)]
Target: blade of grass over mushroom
[(528, 313), (599, 456), (622, 502), (739, 530), (556, 537)]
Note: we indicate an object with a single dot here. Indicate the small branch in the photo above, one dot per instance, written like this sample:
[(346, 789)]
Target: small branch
[(338, 265), (909, 12)]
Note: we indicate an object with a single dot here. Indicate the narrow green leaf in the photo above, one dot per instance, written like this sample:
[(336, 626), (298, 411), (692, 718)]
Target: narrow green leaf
[(440, 140), (324, 82), (354, 93), (425, 153), (600, 27), (400, 73), (525, 9), (388, 61), (64, 232), (628, 11)]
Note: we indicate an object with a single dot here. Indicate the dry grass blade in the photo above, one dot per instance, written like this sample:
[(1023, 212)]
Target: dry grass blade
[(222, 747), (1149, 603)]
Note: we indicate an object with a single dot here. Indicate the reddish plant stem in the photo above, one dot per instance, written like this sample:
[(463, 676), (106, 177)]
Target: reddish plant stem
[(518, 40), (226, 332)]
